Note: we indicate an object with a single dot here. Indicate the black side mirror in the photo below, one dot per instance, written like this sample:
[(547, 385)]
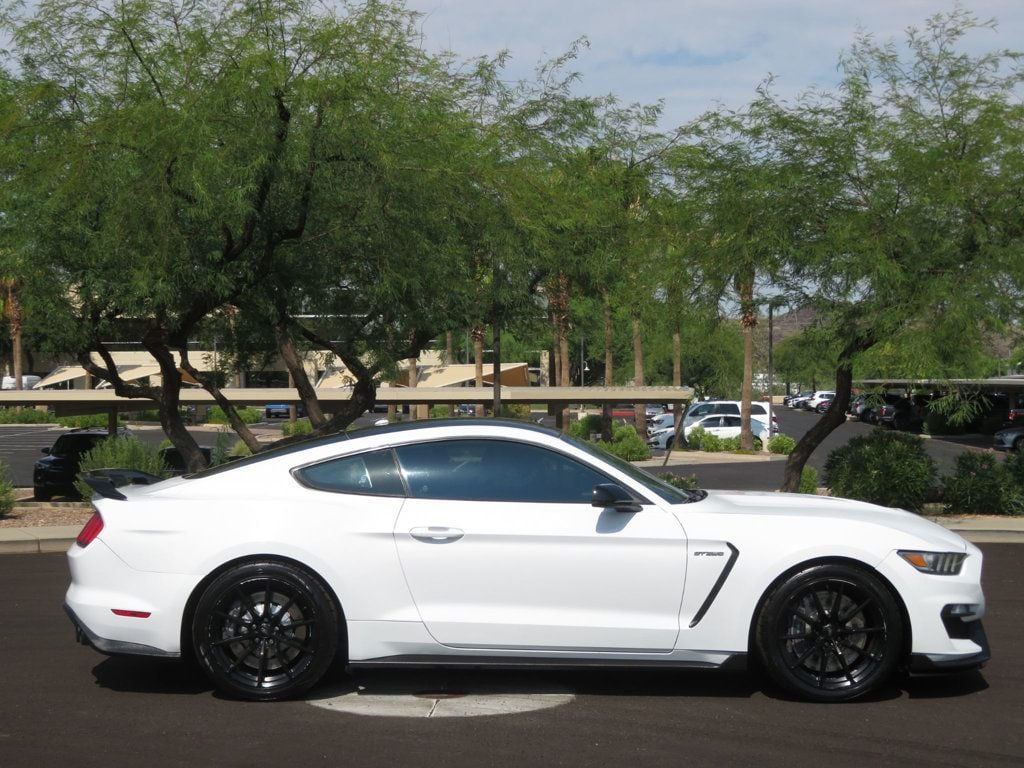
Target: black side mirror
[(611, 496), (45, 450)]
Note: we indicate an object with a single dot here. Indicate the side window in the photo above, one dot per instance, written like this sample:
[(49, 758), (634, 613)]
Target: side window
[(758, 409), (367, 473), (730, 408), (700, 410), (733, 421), (495, 470)]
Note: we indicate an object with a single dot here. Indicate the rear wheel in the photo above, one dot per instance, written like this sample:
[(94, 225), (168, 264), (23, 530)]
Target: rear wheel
[(830, 633), (265, 631), (41, 494)]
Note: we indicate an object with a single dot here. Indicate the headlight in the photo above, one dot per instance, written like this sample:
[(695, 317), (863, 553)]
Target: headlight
[(938, 563)]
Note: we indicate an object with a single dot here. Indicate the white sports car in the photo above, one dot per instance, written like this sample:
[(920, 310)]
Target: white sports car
[(498, 543)]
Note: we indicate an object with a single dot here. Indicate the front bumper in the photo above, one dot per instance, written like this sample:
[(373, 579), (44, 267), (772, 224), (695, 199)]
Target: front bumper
[(932, 664)]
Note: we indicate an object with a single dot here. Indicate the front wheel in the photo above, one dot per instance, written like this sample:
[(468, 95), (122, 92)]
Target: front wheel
[(830, 633), (265, 631)]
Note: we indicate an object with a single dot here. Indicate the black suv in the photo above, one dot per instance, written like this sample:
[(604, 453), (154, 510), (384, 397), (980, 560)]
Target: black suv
[(54, 474)]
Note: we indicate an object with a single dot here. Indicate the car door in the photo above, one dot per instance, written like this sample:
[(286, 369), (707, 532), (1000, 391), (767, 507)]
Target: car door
[(502, 549)]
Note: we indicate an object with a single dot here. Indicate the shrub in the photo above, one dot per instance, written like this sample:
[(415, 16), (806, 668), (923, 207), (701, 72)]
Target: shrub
[(783, 444), (585, 427), (982, 485), (440, 411), (699, 440), (732, 444), (6, 492), (25, 416), (887, 468), (120, 453), (808, 480), (626, 444), (936, 423), (238, 450), (686, 483), (86, 421), (248, 415), (519, 411), (300, 427)]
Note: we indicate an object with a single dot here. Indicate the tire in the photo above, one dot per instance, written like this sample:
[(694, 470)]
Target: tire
[(668, 443), (247, 656), (822, 407), (830, 633), (41, 494)]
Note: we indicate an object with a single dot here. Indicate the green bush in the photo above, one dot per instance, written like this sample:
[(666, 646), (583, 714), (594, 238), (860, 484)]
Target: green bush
[(626, 444), (982, 485), (686, 483), (808, 480), (519, 411), (732, 444), (120, 453), (6, 492), (300, 427), (238, 450), (440, 411), (936, 423), (248, 415), (25, 416), (783, 444), (86, 421), (884, 467), (699, 440), (583, 428)]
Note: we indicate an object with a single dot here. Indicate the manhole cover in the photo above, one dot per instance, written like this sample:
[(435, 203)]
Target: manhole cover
[(399, 697)]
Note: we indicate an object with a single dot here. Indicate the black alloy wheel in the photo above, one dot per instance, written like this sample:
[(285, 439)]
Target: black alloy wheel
[(265, 631), (830, 633)]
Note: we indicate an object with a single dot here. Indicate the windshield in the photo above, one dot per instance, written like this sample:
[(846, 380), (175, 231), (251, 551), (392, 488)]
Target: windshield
[(661, 489), (72, 445)]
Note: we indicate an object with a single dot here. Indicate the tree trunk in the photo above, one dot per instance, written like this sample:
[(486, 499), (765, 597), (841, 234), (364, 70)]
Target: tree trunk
[(831, 419), (478, 360), (14, 317), (609, 365), (299, 378), (414, 375), (748, 321), (639, 409), (496, 369), (677, 370)]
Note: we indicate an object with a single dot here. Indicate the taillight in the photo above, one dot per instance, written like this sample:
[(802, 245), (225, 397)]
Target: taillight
[(91, 530)]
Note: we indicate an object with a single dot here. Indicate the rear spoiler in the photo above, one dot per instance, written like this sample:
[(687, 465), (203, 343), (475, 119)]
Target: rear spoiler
[(106, 481)]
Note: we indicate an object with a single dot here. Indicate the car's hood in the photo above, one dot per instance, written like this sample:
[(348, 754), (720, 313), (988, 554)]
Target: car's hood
[(796, 505)]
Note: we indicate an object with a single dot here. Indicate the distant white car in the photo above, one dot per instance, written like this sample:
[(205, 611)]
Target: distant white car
[(722, 426), (479, 542), (820, 401)]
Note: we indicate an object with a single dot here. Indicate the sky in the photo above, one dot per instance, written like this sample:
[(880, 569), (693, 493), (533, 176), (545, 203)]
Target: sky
[(693, 54)]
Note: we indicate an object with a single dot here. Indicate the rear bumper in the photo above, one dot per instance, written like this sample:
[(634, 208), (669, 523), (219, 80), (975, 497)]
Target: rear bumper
[(85, 636)]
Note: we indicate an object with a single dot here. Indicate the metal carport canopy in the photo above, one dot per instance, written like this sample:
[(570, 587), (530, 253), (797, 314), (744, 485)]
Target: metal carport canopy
[(1001, 383), (74, 401)]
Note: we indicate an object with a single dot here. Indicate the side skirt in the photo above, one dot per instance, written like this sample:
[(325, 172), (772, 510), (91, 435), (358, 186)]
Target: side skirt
[(736, 661)]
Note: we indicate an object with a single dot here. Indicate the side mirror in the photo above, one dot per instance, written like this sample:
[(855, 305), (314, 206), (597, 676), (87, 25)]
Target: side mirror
[(45, 450), (611, 496)]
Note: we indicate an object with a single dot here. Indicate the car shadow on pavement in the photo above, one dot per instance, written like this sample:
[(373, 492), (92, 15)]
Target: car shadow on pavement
[(149, 675), (945, 686)]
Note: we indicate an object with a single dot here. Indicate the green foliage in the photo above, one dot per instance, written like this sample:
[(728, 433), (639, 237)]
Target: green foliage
[(686, 483), (883, 467), (440, 411), (86, 421), (7, 496), (25, 416), (808, 480), (583, 428), (782, 444), (120, 453), (222, 443), (248, 415), (983, 485), (519, 411), (238, 450), (626, 444), (300, 427), (732, 444)]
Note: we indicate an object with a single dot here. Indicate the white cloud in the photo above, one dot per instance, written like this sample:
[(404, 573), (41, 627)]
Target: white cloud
[(692, 53)]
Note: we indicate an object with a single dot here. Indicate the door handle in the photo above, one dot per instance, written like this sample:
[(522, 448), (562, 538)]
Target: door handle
[(436, 535)]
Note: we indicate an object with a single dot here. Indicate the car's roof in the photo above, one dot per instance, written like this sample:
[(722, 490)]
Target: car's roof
[(399, 428)]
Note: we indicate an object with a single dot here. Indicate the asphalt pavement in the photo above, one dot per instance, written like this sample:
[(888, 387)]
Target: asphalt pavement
[(66, 705)]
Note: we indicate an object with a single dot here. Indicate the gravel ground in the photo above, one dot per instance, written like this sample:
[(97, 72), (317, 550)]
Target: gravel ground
[(32, 514)]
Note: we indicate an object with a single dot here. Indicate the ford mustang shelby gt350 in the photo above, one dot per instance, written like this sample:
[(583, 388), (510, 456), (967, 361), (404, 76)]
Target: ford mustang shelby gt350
[(498, 543)]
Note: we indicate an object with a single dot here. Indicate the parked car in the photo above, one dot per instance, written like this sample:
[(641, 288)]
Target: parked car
[(904, 413), (816, 398), (55, 473), (875, 402), (726, 427), (280, 410), (729, 408), (1011, 439), (797, 400), (415, 543)]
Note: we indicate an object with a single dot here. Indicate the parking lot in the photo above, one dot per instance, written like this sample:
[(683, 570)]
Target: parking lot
[(64, 704)]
